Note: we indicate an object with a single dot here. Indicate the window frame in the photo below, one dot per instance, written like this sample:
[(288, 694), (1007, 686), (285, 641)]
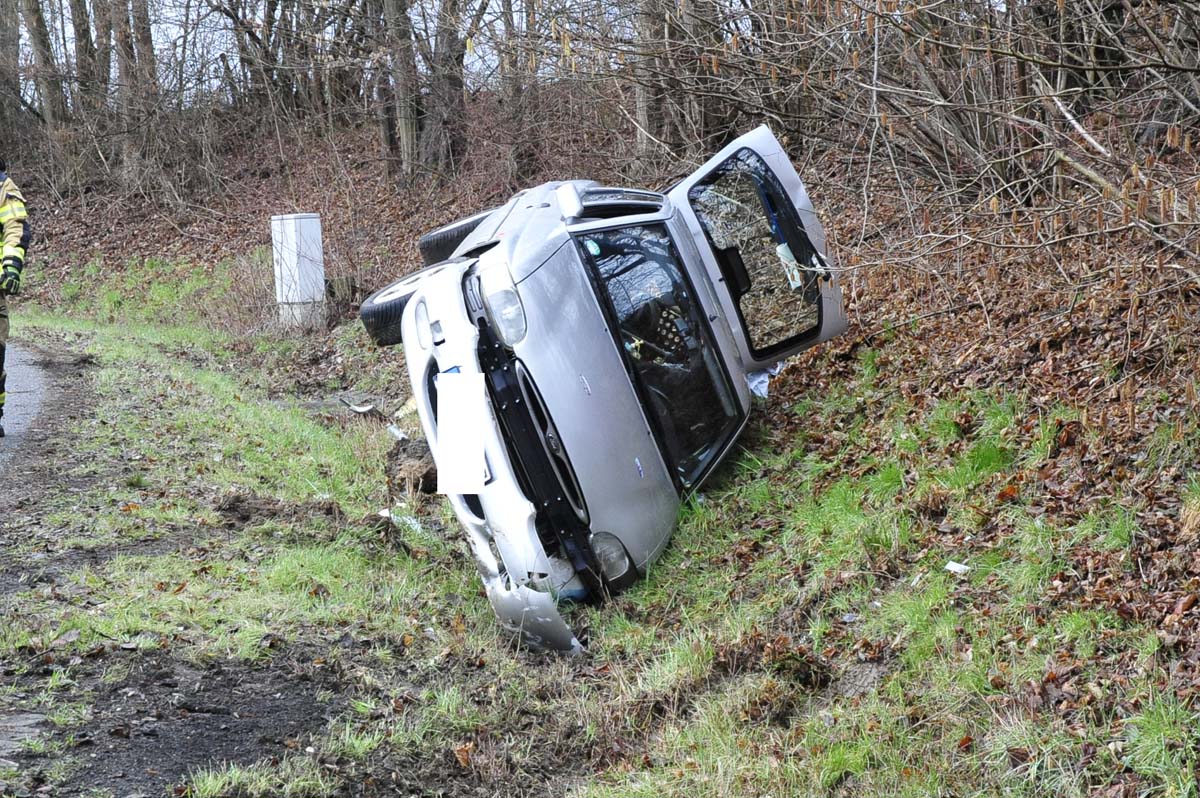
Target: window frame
[(608, 309), (792, 231)]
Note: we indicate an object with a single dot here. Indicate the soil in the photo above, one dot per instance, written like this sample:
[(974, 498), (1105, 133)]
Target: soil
[(410, 469), (36, 458), (241, 509), (168, 717), (154, 716)]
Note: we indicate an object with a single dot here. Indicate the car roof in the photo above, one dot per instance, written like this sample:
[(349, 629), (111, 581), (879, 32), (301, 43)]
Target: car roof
[(529, 228)]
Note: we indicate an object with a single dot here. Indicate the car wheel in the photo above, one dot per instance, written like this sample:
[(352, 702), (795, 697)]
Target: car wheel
[(438, 245), (382, 312)]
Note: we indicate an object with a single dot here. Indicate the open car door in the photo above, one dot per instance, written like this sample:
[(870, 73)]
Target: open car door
[(762, 243)]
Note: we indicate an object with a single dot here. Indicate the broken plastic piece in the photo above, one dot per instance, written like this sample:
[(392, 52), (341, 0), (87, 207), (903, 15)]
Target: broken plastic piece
[(759, 380)]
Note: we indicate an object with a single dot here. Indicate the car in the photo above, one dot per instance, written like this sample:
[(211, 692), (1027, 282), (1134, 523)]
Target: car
[(587, 349)]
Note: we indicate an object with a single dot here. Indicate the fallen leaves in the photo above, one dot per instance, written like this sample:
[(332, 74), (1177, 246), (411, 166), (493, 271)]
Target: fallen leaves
[(463, 752)]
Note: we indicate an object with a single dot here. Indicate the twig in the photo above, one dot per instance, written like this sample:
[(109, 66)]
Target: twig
[(922, 317)]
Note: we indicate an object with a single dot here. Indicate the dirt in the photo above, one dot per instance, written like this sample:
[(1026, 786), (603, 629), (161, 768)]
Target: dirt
[(39, 459), (241, 509), (153, 716), (168, 717), (410, 469)]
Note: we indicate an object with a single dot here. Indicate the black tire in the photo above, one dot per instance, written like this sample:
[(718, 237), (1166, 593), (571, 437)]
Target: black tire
[(382, 312), (438, 245)]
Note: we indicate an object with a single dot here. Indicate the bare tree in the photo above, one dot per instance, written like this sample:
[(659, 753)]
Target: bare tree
[(48, 77)]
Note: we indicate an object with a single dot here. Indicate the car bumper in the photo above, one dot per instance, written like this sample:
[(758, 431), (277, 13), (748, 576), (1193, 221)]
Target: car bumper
[(439, 336)]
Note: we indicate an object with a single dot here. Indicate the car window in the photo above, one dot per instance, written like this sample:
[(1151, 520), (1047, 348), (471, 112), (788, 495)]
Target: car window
[(667, 341), (763, 250)]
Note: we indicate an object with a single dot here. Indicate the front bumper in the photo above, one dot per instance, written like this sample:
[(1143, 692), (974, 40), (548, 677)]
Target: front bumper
[(439, 336)]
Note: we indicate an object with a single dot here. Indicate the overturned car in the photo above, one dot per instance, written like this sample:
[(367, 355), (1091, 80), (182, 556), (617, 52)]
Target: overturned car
[(612, 331)]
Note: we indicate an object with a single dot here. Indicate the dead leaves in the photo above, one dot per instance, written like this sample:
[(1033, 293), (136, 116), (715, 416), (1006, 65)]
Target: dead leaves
[(463, 752), (780, 655)]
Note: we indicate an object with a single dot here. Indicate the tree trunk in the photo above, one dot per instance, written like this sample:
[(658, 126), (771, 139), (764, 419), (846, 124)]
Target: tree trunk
[(127, 81), (10, 84), (181, 76), (406, 91), (518, 91), (385, 112), (147, 62), (85, 54), (48, 79), (104, 30), (647, 102), (445, 135)]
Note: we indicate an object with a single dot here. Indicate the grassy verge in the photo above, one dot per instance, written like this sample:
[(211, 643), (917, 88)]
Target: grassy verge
[(802, 636)]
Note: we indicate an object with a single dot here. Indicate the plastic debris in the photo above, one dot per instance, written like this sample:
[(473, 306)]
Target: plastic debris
[(957, 568), (760, 380)]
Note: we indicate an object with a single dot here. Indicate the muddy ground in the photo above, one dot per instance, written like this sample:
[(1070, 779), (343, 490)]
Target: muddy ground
[(153, 717)]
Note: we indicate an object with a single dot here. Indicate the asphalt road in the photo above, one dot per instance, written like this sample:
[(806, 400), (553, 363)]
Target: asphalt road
[(25, 388)]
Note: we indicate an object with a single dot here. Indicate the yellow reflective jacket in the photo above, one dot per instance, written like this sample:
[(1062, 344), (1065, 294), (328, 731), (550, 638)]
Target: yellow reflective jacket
[(14, 222)]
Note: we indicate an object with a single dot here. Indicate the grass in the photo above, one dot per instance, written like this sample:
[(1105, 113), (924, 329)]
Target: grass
[(1161, 745), (294, 777), (824, 548)]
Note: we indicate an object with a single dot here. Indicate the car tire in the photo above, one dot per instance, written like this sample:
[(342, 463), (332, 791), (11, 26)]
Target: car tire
[(382, 312), (438, 245)]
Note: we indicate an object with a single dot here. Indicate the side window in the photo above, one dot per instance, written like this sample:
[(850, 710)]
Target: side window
[(768, 261)]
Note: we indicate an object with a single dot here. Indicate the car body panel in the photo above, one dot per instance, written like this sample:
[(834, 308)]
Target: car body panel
[(510, 570), (625, 481)]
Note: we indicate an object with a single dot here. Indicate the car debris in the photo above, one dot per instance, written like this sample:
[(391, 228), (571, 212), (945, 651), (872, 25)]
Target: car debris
[(958, 568), (614, 329)]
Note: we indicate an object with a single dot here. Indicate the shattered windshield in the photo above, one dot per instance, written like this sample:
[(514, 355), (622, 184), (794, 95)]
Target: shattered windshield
[(667, 341)]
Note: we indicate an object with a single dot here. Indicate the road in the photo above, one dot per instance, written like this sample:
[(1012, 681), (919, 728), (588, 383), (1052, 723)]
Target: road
[(25, 389)]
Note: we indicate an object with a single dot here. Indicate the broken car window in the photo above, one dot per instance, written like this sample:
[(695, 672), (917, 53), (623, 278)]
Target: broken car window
[(764, 251), (665, 337)]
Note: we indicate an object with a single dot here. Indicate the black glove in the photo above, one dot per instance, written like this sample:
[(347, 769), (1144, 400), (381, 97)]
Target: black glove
[(10, 277)]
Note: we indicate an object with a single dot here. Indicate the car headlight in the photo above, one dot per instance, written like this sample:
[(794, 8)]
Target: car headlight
[(502, 303), (614, 560)]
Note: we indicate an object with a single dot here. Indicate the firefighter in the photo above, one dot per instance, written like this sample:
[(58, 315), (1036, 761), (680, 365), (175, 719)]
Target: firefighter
[(14, 231)]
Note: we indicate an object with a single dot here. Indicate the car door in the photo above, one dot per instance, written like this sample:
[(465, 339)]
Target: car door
[(763, 249)]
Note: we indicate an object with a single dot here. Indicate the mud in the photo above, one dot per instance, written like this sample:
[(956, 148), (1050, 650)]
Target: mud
[(410, 470), (167, 718), (151, 717), (240, 510)]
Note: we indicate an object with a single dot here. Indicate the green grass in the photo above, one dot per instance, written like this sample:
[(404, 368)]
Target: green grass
[(1109, 528), (294, 777), (827, 543), (1161, 743)]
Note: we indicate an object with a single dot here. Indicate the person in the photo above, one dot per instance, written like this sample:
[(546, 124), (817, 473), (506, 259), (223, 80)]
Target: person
[(14, 232)]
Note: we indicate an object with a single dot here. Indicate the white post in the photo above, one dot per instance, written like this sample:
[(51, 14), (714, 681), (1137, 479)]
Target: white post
[(299, 269)]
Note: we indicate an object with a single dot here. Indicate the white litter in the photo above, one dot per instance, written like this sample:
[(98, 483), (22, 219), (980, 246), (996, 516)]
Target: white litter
[(760, 380), (957, 568), (362, 410)]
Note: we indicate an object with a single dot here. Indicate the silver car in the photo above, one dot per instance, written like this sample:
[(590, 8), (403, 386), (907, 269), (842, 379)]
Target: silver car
[(612, 331)]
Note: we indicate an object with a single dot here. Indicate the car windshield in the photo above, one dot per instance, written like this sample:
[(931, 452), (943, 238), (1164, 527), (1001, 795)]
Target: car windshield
[(667, 342)]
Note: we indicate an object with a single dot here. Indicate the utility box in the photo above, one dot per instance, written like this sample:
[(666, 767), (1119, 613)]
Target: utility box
[(299, 269)]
